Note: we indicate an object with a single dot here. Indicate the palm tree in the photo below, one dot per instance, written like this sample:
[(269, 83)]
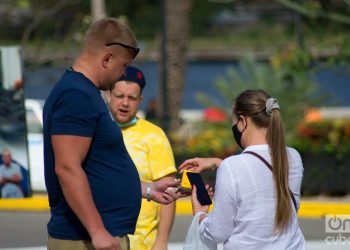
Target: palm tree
[(175, 39)]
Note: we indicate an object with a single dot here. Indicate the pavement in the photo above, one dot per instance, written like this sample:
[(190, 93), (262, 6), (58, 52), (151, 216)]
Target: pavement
[(36, 210), (313, 245), (310, 207), (179, 246)]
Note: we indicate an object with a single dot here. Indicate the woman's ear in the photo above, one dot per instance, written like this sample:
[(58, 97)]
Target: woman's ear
[(243, 122)]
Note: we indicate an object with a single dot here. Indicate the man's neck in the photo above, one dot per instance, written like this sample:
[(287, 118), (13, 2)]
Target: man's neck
[(128, 124), (83, 68)]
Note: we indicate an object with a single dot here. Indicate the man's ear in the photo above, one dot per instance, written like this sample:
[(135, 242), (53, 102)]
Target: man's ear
[(108, 96), (106, 59), (141, 98)]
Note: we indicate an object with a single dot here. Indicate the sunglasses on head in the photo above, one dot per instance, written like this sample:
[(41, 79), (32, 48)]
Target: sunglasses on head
[(134, 50)]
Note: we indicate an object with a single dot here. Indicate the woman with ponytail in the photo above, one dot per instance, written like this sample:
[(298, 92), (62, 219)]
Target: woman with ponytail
[(257, 192)]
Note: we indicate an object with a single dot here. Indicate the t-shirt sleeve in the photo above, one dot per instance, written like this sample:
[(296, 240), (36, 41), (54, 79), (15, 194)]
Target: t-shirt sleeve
[(295, 174), (161, 156), (74, 114)]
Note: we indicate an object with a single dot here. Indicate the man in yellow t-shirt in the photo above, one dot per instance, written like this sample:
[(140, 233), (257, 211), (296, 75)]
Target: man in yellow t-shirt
[(151, 152)]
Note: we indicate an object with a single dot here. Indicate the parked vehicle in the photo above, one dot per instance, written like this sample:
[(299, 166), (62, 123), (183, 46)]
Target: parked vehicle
[(34, 110)]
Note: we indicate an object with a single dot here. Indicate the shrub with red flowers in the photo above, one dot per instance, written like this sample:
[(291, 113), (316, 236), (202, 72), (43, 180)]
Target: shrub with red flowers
[(204, 139), (324, 136)]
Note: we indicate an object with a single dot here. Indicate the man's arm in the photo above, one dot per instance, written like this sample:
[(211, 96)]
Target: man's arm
[(166, 220), (70, 152), (159, 190), (16, 178)]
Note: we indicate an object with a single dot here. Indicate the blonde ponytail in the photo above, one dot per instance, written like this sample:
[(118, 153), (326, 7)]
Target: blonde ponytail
[(279, 159)]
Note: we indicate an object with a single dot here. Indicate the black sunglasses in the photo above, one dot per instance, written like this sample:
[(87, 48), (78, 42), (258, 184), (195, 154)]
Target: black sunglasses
[(134, 50)]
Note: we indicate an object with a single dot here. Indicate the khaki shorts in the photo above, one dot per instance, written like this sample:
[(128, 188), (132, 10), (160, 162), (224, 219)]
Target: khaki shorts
[(57, 244)]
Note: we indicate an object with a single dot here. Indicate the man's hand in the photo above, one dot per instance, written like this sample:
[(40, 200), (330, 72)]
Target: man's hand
[(162, 191), (2, 181), (102, 240)]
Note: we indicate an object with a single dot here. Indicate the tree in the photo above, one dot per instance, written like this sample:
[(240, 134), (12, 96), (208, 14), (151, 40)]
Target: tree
[(321, 9), (177, 23), (288, 78), (41, 10)]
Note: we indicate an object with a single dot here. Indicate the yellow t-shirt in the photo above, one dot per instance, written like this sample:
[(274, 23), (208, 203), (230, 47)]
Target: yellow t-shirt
[(151, 152)]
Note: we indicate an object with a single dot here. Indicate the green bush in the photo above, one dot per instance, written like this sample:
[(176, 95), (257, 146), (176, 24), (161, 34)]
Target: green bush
[(208, 139), (287, 77)]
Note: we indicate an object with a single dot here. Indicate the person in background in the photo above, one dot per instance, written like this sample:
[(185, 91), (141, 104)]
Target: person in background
[(151, 111), (151, 152), (10, 177), (257, 193), (93, 185)]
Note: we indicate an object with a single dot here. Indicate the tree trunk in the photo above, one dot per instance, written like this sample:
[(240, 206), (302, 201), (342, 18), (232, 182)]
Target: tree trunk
[(177, 23)]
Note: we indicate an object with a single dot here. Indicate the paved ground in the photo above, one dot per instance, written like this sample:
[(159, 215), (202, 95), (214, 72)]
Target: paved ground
[(23, 223), (22, 230), (179, 246)]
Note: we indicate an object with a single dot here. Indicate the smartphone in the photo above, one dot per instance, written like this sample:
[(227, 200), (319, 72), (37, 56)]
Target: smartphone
[(202, 193), (184, 191)]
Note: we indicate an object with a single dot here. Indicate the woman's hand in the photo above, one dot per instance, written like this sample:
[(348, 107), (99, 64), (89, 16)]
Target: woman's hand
[(199, 165), (196, 206)]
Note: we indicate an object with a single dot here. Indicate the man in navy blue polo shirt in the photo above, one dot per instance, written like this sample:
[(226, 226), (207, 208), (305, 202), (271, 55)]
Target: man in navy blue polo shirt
[(93, 186)]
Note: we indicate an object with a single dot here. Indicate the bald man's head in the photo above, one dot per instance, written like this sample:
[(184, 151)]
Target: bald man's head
[(107, 31), (6, 157)]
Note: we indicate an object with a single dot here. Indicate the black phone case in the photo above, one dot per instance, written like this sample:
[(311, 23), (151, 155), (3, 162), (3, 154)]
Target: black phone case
[(202, 193)]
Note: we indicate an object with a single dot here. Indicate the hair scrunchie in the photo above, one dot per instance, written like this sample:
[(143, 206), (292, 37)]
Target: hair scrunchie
[(271, 104)]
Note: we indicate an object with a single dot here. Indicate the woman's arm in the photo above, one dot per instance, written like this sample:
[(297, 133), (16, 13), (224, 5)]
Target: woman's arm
[(200, 164), (218, 225)]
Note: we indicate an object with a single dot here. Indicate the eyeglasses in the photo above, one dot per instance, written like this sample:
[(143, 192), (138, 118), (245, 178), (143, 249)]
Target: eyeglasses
[(133, 50)]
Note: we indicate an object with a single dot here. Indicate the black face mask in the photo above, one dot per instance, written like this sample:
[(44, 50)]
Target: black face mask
[(237, 135)]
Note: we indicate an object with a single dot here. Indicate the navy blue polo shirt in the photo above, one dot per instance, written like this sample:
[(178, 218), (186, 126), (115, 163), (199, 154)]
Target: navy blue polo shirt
[(75, 107)]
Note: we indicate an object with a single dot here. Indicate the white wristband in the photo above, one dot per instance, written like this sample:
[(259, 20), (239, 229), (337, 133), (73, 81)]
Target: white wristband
[(148, 191)]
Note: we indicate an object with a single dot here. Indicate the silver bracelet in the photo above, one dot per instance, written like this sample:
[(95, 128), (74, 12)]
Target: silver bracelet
[(148, 191)]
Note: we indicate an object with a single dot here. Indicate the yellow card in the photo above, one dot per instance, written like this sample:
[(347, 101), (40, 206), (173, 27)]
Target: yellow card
[(185, 182)]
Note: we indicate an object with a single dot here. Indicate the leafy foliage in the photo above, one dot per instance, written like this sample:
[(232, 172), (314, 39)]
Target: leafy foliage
[(209, 139), (286, 78), (205, 140)]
